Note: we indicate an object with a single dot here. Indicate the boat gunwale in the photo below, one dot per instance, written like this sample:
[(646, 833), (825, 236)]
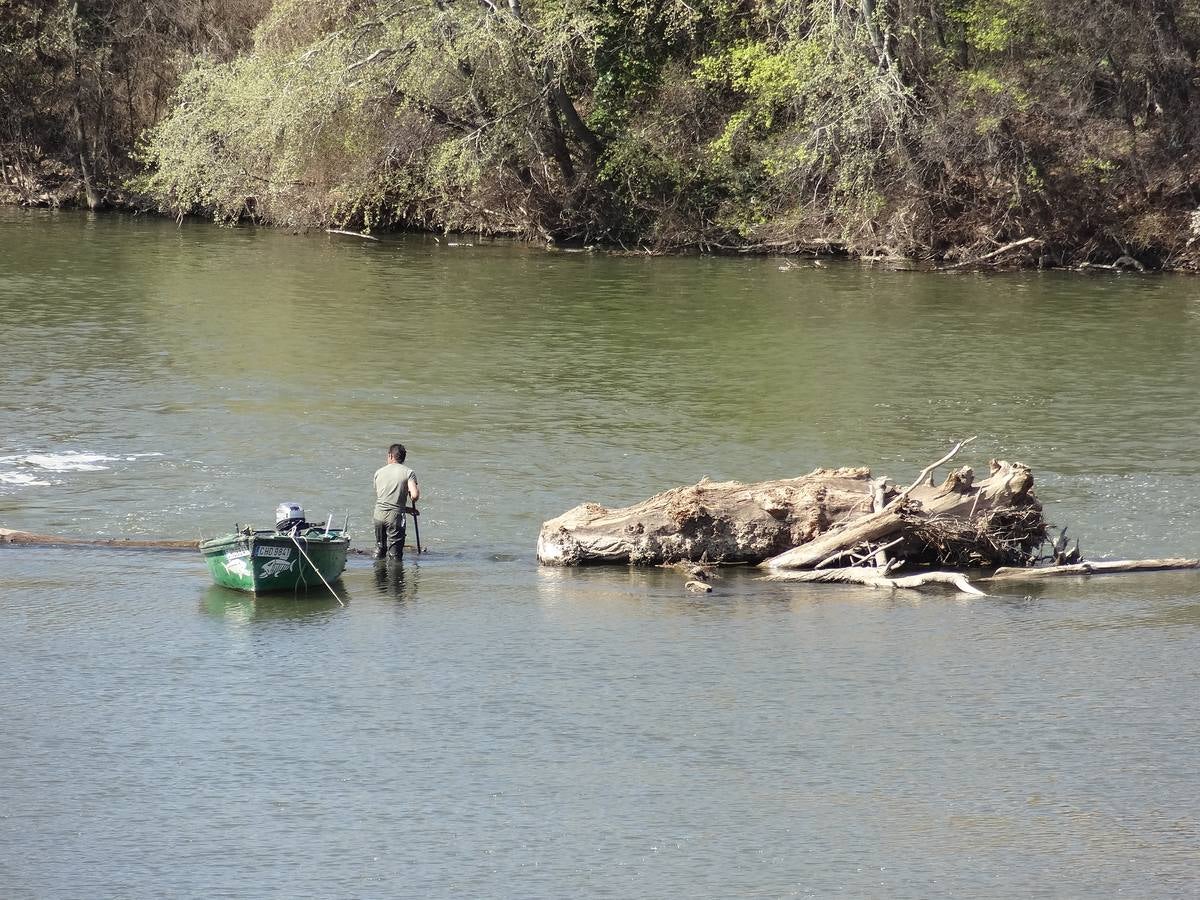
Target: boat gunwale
[(323, 539)]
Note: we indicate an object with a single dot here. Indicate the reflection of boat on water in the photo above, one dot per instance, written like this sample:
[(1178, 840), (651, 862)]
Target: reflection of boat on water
[(239, 606), (295, 556)]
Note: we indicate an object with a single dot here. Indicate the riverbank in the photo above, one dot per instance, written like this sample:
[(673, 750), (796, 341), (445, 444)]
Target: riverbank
[(66, 192)]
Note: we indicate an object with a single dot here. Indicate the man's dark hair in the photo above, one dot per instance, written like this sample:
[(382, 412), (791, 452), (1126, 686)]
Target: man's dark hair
[(397, 452)]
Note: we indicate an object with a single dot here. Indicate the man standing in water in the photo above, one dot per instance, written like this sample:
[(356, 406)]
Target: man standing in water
[(395, 487)]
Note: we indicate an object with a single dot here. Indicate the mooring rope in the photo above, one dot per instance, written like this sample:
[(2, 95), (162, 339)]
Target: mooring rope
[(315, 569)]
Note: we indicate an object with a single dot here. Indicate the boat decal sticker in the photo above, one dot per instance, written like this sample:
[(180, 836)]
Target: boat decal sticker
[(277, 567), (237, 553), (276, 552), (238, 567)]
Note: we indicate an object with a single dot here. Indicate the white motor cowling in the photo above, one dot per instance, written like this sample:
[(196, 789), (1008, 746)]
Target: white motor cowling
[(287, 515)]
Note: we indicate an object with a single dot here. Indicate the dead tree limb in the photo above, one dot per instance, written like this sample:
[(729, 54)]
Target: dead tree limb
[(875, 554), (932, 467), (1094, 568), (1000, 251), (872, 577), (357, 234)]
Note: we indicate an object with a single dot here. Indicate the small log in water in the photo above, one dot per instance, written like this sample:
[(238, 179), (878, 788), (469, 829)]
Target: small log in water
[(876, 578), (1105, 567), (28, 539)]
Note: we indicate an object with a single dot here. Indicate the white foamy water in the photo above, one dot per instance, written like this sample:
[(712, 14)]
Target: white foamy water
[(15, 468), (67, 462), (24, 478)]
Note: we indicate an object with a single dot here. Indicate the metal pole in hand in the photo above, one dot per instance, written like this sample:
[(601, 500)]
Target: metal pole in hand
[(416, 524)]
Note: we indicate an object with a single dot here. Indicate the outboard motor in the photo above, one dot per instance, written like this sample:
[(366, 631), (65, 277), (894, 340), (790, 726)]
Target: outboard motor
[(289, 516)]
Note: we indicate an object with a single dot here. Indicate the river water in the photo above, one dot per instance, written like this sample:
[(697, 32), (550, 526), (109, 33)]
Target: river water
[(472, 725)]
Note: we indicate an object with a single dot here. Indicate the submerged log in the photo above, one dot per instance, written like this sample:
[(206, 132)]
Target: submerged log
[(882, 578), (25, 538), (1101, 567)]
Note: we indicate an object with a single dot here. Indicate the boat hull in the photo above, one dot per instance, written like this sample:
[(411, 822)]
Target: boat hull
[(264, 562)]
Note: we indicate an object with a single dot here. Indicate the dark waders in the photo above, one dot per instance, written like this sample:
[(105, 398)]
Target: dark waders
[(389, 537), (389, 534)]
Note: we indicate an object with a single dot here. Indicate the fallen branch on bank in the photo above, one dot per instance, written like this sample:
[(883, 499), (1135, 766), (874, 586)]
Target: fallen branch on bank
[(1000, 251), (1122, 264), (357, 234)]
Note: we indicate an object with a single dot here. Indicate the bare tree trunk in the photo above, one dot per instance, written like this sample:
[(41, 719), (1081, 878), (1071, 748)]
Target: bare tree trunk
[(583, 134), (869, 12), (558, 143), (81, 141)]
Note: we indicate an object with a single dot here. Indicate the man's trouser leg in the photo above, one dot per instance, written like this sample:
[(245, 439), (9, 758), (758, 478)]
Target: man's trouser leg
[(380, 539), (395, 536)]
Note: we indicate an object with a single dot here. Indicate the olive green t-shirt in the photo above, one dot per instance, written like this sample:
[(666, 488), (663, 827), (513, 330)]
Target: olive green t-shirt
[(391, 490)]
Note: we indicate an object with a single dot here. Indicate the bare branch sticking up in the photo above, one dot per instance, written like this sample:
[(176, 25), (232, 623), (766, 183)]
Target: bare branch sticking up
[(929, 470)]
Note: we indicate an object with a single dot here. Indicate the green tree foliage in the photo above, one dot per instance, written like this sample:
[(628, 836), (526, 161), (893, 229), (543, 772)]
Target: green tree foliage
[(922, 127), (459, 115), (81, 79)]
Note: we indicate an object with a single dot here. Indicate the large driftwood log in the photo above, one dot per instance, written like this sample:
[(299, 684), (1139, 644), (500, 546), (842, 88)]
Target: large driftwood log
[(817, 519), (724, 521)]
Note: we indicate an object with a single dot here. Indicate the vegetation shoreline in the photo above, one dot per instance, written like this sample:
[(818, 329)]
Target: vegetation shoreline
[(951, 132), (790, 252)]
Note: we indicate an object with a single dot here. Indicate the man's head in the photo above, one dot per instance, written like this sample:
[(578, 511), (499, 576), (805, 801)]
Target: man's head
[(396, 453)]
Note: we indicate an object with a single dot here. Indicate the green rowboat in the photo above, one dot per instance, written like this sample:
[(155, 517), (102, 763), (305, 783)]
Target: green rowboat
[(262, 561)]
